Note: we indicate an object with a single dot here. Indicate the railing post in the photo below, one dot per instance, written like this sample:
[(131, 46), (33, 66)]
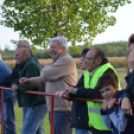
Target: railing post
[(52, 115), (2, 111)]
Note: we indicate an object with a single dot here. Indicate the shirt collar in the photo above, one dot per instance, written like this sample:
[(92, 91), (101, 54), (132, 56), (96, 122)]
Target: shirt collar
[(92, 73)]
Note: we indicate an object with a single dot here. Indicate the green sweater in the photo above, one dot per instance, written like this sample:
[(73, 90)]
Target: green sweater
[(29, 69)]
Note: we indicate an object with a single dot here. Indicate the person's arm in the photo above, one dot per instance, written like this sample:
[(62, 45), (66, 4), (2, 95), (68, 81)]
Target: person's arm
[(88, 93), (104, 114), (106, 119), (37, 82), (118, 119), (60, 68), (128, 95), (130, 78), (13, 76), (129, 92), (30, 71)]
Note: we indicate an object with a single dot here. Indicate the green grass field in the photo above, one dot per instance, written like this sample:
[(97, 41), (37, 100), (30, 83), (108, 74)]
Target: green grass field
[(18, 111)]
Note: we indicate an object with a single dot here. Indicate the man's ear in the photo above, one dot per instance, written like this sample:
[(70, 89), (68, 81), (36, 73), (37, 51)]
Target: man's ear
[(64, 48), (25, 55), (98, 61)]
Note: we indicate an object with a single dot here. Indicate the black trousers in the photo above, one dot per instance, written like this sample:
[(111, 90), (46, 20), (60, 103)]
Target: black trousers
[(95, 131)]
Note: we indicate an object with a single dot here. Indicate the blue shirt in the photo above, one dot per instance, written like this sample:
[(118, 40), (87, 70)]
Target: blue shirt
[(4, 71)]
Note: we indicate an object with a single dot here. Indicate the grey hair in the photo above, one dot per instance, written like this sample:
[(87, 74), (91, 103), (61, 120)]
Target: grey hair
[(25, 43), (62, 41)]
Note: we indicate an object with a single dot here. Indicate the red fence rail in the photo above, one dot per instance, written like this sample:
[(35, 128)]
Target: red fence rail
[(52, 105)]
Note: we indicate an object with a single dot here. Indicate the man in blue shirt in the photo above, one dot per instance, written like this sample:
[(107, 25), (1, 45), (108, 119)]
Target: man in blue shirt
[(10, 99)]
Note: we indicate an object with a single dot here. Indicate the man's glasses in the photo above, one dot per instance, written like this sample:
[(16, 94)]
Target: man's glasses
[(86, 58)]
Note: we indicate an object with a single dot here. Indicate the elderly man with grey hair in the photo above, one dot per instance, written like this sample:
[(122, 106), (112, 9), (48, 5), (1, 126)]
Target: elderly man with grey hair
[(61, 73), (26, 44)]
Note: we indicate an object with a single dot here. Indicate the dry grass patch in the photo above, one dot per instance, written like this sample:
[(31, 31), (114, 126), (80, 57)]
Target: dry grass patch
[(115, 61)]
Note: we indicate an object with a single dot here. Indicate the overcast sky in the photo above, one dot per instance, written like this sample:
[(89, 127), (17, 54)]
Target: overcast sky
[(123, 28)]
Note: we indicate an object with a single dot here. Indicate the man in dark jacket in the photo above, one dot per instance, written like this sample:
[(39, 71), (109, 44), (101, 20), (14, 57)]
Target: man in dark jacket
[(79, 112), (34, 104), (97, 66)]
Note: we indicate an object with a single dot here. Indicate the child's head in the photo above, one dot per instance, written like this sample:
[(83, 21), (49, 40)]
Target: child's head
[(107, 86), (83, 64)]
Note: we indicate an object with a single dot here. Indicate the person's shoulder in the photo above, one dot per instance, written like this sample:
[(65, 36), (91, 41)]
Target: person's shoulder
[(120, 93), (67, 58), (109, 71), (32, 63), (2, 63)]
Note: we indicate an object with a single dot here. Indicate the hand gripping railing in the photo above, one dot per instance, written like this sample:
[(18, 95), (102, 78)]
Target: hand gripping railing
[(52, 105)]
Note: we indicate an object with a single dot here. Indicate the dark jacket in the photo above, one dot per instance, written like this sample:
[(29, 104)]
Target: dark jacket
[(35, 58), (29, 69), (79, 112), (14, 75), (130, 87)]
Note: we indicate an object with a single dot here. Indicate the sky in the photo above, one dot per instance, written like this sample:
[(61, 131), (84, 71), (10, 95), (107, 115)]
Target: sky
[(121, 31)]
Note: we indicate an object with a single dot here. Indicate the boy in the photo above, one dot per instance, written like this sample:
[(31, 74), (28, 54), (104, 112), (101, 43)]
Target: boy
[(113, 117)]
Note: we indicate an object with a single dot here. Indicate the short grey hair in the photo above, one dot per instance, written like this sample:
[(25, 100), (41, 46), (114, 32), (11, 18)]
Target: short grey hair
[(62, 41), (25, 43)]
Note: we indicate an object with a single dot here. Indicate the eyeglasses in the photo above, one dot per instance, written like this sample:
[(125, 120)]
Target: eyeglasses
[(86, 58)]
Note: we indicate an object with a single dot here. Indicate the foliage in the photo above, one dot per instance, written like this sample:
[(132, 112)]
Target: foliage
[(7, 55), (77, 20), (114, 49)]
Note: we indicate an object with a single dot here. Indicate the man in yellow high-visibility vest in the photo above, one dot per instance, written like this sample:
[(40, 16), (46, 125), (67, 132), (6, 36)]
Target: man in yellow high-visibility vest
[(98, 66)]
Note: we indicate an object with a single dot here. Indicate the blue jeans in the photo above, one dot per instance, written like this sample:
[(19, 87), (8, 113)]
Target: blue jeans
[(33, 119), (9, 116), (10, 125), (7, 94), (81, 131), (62, 122)]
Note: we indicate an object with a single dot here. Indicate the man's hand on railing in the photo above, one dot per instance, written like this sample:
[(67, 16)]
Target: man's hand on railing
[(59, 94), (24, 80), (65, 91), (70, 90), (14, 87), (126, 106)]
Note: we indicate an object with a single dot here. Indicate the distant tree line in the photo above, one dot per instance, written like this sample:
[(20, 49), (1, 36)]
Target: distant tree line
[(114, 49)]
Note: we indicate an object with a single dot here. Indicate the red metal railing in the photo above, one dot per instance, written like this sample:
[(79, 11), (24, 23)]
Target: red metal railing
[(27, 92), (52, 105)]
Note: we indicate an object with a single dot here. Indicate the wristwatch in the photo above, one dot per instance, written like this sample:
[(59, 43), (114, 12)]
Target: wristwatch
[(131, 71)]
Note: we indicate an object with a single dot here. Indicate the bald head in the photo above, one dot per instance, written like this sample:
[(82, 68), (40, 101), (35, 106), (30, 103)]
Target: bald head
[(22, 54), (94, 58), (99, 53)]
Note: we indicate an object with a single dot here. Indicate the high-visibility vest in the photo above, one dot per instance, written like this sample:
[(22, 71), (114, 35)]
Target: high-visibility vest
[(95, 119)]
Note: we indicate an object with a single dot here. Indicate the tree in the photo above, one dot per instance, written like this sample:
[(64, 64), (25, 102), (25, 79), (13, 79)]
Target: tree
[(77, 20)]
